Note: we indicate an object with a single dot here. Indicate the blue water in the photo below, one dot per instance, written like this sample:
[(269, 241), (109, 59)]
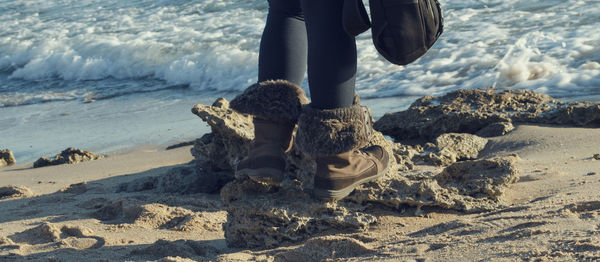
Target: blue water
[(110, 75)]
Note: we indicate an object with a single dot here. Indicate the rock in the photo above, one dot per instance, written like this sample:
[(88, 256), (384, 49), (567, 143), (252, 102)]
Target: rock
[(67, 156), (6, 158), (483, 112), (464, 146), (496, 129), (260, 215), (470, 186), (217, 153), (263, 216), (480, 179), (231, 134), (452, 147), (11, 191), (585, 114)]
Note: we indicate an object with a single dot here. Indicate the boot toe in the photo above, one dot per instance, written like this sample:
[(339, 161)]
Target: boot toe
[(378, 153)]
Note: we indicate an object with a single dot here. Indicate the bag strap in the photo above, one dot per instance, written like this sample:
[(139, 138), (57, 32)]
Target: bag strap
[(354, 17)]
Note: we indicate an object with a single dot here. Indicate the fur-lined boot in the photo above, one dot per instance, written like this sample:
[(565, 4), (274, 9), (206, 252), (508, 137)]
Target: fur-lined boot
[(275, 106), (336, 139)]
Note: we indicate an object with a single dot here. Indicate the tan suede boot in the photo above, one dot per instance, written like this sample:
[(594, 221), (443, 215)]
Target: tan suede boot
[(335, 138), (275, 106)]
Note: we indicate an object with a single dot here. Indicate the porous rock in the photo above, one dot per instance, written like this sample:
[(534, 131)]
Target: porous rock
[(585, 114), (6, 158), (264, 216), (452, 147), (68, 156), (217, 153), (471, 186), (260, 215), (228, 142), (11, 191), (484, 112)]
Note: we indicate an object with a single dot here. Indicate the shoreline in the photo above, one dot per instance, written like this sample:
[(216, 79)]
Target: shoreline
[(117, 163)]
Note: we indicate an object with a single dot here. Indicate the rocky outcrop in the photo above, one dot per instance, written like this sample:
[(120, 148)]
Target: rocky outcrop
[(6, 158), (67, 156), (483, 112), (260, 215), (264, 216), (216, 154), (228, 142)]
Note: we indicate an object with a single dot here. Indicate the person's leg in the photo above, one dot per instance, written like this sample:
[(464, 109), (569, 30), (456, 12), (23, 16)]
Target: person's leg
[(334, 129), (331, 55), (277, 99), (283, 47)]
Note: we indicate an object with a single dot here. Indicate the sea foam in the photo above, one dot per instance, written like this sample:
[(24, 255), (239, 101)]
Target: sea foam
[(62, 55)]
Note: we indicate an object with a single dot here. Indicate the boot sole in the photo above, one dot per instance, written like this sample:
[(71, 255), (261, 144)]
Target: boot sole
[(270, 176), (334, 195)]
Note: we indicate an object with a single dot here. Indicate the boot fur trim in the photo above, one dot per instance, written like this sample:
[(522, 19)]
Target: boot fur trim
[(333, 131), (275, 100)]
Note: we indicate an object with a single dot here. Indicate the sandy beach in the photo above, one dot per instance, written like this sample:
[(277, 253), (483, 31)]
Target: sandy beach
[(493, 136), (552, 213)]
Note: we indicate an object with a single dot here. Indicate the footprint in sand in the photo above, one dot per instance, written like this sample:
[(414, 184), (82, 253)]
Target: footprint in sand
[(77, 237), (131, 212), (180, 248), (587, 209), (11, 191), (325, 248)]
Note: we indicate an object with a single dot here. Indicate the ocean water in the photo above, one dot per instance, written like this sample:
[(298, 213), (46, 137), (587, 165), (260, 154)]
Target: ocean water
[(113, 74)]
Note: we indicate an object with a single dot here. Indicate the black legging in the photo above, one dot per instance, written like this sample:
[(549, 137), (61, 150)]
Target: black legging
[(330, 53)]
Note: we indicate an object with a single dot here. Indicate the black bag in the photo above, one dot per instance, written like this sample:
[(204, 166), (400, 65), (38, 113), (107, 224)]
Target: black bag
[(402, 30)]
